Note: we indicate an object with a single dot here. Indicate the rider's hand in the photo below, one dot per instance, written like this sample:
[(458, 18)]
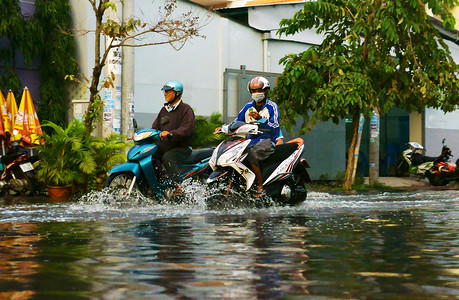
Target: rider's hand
[(255, 115), (217, 130), (164, 134)]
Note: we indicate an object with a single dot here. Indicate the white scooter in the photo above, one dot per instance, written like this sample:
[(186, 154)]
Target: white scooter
[(414, 162), (284, 172)]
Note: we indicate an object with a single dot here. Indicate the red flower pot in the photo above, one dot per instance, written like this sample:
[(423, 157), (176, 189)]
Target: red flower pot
[(59, 193)]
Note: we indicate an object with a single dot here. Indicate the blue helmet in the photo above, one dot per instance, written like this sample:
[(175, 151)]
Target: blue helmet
[(173, 85)]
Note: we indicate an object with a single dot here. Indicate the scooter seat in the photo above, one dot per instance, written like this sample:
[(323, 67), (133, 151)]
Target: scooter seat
[(281, 152), (9, 158), (198, 155), (429, 158), (418, 159)]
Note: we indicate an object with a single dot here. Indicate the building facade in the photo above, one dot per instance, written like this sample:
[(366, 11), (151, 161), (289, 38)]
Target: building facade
[(240, 43)]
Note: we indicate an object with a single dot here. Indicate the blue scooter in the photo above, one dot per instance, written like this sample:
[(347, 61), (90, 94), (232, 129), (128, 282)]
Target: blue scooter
[(143, 175)]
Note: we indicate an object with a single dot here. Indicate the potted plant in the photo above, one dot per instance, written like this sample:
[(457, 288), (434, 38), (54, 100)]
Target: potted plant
[(65, 158)]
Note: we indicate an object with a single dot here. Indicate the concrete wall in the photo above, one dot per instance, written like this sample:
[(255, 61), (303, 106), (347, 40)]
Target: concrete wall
[(439, 125), (199, 65), (325, 149)]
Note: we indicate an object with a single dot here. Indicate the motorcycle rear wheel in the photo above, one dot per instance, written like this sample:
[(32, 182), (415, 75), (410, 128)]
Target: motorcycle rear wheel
[(299, 193), (23, 184)]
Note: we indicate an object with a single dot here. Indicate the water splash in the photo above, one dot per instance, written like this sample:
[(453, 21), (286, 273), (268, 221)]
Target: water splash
[(102, 205)]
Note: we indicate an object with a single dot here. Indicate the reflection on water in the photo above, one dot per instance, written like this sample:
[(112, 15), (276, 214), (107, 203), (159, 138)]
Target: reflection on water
[(381, 246)]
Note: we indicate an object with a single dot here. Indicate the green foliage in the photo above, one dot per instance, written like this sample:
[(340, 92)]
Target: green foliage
[(14, 28), (204, 131), (71, 156), (359, 179), (377, 185), (65, 155), (375, 54), (41, 37), (107, 152), (57, 55), (340, 177)]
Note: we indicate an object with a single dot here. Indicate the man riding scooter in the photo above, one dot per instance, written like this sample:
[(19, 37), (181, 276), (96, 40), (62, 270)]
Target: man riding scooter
[(262, 145), (176, 122)]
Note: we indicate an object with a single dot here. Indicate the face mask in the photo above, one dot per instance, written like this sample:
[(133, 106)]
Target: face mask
[(258, 97)]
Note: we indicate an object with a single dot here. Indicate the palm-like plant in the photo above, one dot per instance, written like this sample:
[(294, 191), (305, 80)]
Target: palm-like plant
[(107, 152), (65, 155), (204, 131)]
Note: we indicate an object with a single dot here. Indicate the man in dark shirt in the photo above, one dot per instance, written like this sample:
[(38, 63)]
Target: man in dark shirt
[(176, 122)]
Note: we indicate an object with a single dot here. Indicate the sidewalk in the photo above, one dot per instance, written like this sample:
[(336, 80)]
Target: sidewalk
[(413, 183), (403, 182)]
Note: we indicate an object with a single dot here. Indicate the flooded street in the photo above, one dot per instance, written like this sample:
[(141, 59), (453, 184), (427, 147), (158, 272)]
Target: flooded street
[(370, 246)]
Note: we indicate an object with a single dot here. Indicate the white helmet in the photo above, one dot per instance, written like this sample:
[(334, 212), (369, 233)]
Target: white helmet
[(257, 83)]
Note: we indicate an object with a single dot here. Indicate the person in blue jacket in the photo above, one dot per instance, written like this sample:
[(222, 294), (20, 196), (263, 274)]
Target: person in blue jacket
[(262, 145)]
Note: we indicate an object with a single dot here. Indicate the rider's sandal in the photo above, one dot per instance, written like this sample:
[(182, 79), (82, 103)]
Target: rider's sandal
[(260, 192), (178, 191)]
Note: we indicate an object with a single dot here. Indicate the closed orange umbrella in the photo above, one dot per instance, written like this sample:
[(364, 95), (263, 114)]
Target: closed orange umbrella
[(3, 118), (3, 114), (12, 109), (26, 121)]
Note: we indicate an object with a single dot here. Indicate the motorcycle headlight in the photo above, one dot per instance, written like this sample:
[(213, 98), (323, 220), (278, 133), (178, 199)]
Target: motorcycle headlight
[(138, 136)]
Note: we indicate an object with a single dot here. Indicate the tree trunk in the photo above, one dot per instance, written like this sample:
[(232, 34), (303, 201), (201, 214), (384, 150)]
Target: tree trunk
[(91, 111), (347, 184), (96, 71), (357, 146)]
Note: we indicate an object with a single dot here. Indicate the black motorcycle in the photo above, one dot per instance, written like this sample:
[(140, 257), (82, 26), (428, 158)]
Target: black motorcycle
[(17, 172)]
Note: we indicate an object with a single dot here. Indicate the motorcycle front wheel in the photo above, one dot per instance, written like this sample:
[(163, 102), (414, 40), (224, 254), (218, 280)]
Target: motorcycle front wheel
[(402, 168), (229, 192), (436, 179), (119, 184)]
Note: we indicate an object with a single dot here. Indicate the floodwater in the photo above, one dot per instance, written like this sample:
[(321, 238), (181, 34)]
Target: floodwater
[(370, 246)]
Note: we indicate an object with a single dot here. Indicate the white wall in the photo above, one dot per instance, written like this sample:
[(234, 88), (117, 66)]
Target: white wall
[(279, 49), (439, 125), (199, 65)]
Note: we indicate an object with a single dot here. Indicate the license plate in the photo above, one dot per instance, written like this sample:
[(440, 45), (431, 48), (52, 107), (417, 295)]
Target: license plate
[(26, 167)]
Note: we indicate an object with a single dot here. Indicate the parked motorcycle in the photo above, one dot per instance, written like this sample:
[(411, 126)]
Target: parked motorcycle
[(143, 175), (17, 172), (443, 171), (414, 162), (284, 172)]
